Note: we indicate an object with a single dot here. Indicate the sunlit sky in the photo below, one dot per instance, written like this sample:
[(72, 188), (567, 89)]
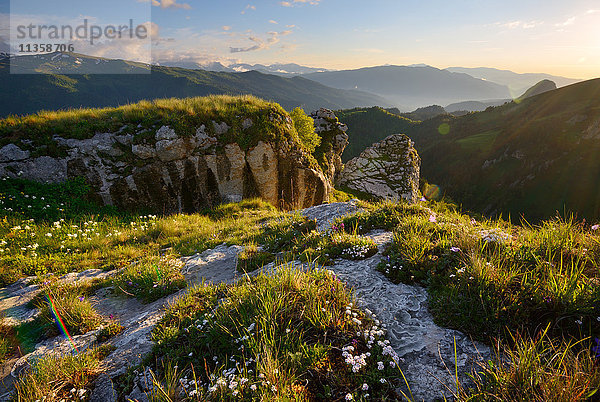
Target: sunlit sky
[(552, 36)]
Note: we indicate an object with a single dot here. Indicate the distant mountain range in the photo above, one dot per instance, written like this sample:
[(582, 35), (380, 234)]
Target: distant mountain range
[(410, 87), (536, 157), (285, 70), (57, 89), (517, 83)]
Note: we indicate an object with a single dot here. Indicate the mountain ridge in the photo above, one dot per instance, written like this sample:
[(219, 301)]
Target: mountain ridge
[(34, 92), (413, 87)]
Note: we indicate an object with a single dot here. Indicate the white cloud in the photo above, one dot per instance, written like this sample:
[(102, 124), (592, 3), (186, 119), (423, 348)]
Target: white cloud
[(248, 7), (272, 38), (520, 24), (566, 23), (167, 4), (299, 2), (273, 22)]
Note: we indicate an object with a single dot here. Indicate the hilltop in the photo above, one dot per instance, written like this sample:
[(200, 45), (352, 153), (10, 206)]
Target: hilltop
[(180, 155)]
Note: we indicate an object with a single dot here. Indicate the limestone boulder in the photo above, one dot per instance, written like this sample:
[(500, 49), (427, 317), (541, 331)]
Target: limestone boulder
[(388, 170)]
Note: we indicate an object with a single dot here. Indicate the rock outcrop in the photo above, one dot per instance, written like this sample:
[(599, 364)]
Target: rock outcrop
[(168, 171), (388, 170), (333, 142)]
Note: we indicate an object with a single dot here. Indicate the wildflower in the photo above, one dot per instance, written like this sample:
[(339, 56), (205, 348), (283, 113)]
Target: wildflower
[(380, 366), (455, 249), (595, 227), (348, 397), (111, 316), (383, 381), (596, 348), (365, 387), (432, 219), (253, 387), (80, 298)]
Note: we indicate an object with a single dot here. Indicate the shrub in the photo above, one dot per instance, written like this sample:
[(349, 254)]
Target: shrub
[(305, 127)]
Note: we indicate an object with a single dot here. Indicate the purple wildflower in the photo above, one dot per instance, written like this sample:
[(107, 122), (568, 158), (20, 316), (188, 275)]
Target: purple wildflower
[(81, 298), (455, 249), (596, 348)]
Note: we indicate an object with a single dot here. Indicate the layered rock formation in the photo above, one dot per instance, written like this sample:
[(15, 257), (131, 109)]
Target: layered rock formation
[(388, 170), (167, 171)]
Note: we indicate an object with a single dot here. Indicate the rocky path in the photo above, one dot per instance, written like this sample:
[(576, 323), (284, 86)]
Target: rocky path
[(427, 351)]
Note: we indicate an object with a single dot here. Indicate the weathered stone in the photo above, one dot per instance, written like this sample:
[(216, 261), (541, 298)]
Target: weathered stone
[(220, 128), (165, 133), (203, 140), (334, 140), (389, 170), (262, 161), (12, 153), (247, 123), (170, 150), (143, 151)]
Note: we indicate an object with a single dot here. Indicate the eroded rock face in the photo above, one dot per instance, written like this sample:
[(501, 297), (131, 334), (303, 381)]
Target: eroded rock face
[(169, 172), (389, 170), (334, 139)]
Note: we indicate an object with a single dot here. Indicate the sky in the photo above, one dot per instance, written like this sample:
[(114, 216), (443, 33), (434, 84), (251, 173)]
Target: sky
[(550, 36)]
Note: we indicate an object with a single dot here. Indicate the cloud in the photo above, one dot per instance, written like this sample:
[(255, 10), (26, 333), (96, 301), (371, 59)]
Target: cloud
[(167, 4), (566, 23), (520, 24), (248, 7), (369, 50), (226, 28), (589, 12), (273, 22), (272, 38), (299, 2)]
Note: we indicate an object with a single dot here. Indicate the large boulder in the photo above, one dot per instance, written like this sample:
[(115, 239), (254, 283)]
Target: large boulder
[(170, 171), (388, 170)]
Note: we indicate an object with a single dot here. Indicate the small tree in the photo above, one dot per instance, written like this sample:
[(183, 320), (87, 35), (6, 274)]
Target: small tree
[(305, 127)]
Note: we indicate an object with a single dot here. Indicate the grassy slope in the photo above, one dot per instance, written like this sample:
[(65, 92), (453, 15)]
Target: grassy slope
[(31, 93), (559, 171), (487, 278), (35, 132)]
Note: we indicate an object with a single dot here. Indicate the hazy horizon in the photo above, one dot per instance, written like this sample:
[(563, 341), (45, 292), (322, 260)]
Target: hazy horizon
[(553, 37)]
